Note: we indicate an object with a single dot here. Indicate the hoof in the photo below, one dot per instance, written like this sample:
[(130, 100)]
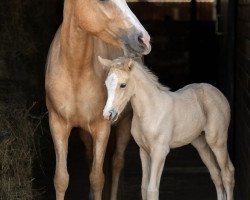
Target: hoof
[(91, 195)]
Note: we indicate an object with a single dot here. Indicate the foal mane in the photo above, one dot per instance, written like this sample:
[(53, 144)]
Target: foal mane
[(151, 77)]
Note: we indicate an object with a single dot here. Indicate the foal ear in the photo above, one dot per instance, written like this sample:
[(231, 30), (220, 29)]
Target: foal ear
[(130, 64), (105, 62)]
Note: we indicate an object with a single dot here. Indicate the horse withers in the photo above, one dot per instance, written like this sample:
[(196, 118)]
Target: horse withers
[(75, 93), (198, 114)]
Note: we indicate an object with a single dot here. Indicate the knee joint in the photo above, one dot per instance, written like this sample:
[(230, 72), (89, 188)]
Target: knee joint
[(152, 193), (61, 181)]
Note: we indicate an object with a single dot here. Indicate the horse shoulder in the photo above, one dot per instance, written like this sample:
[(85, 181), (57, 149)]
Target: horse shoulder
[(54, 51)]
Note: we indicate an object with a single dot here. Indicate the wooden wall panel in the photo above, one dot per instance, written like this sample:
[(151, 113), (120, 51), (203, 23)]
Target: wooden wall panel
[(242, 101)]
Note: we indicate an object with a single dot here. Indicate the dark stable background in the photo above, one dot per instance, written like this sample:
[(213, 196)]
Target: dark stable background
[(183, 52)]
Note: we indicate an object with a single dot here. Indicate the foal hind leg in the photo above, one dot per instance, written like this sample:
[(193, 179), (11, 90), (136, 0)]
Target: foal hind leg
[(122, 138), (208, 159), (219, 147)]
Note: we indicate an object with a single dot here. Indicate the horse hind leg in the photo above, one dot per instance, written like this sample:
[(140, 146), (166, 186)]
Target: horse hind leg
[(208, 159), (122, 138), (88, 143), (219, 148)]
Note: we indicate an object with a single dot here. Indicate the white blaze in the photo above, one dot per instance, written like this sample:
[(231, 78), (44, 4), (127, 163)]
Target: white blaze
[(111, 83), (122, 4)]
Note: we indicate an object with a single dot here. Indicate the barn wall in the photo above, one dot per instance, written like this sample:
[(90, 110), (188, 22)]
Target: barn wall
[(27, 28), (242, 138)]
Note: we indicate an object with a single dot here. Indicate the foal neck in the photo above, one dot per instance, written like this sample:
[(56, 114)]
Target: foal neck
[(148, 92)]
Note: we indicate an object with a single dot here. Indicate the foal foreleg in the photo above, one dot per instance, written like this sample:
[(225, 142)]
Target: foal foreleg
[(122, 138), (208, 159), (100, 136), (145, 161), (60, 131), (158, 156)]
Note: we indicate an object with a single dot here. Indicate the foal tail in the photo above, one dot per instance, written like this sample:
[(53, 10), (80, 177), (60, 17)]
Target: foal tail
[(216, 107)]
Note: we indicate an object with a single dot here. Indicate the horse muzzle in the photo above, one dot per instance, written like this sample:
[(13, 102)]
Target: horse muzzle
[(136, 44)]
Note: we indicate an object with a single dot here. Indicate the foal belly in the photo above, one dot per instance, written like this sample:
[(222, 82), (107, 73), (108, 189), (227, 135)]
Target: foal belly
[(184, 138), (186, 132)]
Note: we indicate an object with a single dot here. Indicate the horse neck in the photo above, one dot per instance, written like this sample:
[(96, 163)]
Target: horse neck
[(78, 48), (146, 94)]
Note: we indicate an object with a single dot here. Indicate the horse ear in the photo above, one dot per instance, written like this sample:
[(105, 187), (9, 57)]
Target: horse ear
[(130, 64), (105, 62)]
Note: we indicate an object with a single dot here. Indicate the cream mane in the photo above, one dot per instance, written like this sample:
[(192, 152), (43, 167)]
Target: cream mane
[(150, 76)]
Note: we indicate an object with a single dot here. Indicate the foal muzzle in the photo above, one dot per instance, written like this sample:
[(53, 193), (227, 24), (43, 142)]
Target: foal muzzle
[(111, 115)]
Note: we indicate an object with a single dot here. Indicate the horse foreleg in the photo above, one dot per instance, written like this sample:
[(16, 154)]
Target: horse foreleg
[(208, 159), (145, 161), (100, 135), (60, 132), (122, 138), (158, 156)]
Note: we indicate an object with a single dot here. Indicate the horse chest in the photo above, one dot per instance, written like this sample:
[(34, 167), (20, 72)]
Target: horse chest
[(78, 103)]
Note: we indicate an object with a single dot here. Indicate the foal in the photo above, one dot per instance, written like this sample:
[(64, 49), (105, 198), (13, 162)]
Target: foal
[(198, 114)]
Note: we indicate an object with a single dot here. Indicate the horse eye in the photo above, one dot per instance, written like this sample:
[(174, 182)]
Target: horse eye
[(123, 85)]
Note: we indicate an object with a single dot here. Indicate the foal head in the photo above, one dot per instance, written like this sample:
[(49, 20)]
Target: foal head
[(113, 22), (119, 85)]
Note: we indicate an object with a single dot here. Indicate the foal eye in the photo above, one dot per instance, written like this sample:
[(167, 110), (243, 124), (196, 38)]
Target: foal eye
[(123, 85)]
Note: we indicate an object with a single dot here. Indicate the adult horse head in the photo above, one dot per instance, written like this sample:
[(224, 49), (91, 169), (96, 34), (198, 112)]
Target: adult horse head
[(113, 22)]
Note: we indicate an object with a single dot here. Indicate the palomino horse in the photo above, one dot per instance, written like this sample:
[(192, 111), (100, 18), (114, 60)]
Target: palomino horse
[(198, 114), (75, 91)]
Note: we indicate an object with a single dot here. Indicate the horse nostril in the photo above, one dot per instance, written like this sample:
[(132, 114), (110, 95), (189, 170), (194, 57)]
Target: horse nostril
[(110, 115), (140, 39)]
